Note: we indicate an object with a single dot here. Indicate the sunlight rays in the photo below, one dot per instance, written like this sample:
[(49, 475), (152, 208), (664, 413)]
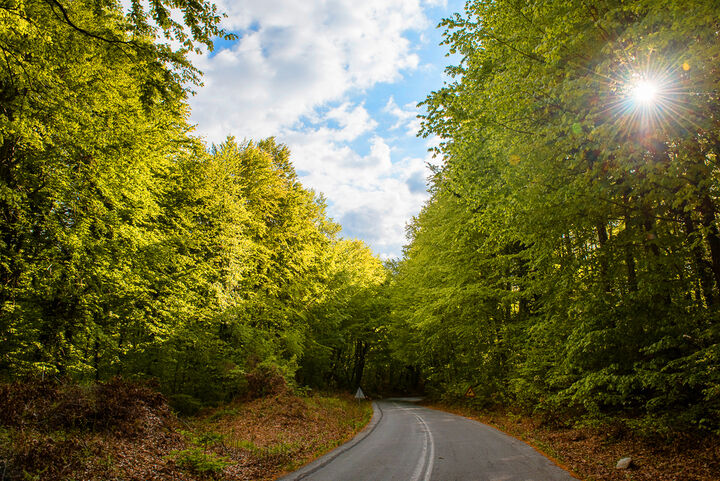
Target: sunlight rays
[(651, 97), (645, 93)]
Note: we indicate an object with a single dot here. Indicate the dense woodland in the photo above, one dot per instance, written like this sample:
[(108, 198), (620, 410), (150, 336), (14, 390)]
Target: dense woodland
[(568, 260), (130, 248)]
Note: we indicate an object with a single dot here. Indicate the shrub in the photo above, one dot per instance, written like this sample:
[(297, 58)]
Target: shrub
[(185, 404), (126, 408), (265, 379), (195, 459)]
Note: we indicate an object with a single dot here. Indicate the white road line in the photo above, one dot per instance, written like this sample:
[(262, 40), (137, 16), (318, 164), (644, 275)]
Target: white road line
[(422, 462), (427, 457), (431, 457)]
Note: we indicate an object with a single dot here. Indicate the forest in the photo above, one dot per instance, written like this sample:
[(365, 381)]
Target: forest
[(569, 259), (130, 248), (567, 262)]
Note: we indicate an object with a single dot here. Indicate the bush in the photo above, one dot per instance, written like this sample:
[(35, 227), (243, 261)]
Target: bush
[(265, 379), (195, 459), (185, 404), (126, 408)]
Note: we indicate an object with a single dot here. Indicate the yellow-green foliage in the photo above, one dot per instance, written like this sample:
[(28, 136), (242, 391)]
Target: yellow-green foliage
[(569, 258), (199, 461), (128, 246)]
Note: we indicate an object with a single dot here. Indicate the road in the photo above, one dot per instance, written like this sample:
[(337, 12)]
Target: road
[(412, 443)]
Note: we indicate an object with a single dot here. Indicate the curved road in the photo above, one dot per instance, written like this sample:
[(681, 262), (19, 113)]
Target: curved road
[(411, 443)]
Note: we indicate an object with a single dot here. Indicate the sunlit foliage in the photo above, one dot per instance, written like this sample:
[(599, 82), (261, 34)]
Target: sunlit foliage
[(569, 258), (130, 248)]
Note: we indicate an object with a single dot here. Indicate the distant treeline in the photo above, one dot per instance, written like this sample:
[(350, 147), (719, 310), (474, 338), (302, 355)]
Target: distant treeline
[(569, 258)]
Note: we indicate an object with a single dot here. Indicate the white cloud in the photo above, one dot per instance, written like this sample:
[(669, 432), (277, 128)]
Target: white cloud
[(293, 57), (353, 121), (372, 196), (296, 73), (406, 117)]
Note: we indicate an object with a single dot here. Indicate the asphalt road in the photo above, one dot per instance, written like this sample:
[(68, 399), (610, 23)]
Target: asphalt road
[(411, 443)]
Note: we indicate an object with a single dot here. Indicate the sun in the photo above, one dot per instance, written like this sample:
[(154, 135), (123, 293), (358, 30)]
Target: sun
[(648, 100), (645, 93), (651, 97)]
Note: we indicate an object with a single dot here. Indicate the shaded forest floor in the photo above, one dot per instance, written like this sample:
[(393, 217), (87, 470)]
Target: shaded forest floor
[(592, 453), (126, 431)]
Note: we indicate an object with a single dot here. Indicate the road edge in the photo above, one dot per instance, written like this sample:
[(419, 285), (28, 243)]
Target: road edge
[(552, 459), (330, 456)]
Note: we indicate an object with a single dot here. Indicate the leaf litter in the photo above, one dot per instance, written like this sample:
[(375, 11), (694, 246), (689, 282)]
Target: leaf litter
[(591, 453), (121, 430)]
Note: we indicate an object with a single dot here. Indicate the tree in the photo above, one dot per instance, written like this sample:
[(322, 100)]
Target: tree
[(347, 323), (129, 247), (82, 149), (595, 218)]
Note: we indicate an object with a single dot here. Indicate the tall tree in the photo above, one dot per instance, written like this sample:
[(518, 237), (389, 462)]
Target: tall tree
[(596, 213)]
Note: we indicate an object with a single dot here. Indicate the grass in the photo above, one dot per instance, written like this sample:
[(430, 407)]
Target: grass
[(126, 430), (198, 460), (277, 434)]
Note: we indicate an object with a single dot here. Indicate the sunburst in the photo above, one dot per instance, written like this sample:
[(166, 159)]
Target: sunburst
[(651, 97), (645, 93)]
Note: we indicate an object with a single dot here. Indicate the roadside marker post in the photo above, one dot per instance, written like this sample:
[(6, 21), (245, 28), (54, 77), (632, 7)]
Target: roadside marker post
[(359, 395)]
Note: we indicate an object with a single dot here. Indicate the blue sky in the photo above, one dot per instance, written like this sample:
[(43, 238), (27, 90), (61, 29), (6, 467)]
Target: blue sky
[(338, 82)]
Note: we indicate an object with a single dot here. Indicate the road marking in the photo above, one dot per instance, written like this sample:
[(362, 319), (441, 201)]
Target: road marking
[(423, 459), (323, 461), (431, 457), (427, 457)]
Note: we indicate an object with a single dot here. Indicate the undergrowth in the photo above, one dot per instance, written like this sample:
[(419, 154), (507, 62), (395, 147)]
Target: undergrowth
[(126, 430), (199, 461)]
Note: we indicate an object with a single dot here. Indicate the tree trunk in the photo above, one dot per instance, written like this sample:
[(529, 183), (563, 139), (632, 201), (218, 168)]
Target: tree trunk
[(602, 256), (629, 258), (360, 352), (702, 266), (707, 209), (96, 358)]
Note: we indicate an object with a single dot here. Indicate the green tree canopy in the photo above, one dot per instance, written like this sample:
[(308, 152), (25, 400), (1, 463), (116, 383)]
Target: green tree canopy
[(585, 222)]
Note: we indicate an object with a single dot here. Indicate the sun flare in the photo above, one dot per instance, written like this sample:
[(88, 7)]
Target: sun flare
[(653, 97), (645, 93)]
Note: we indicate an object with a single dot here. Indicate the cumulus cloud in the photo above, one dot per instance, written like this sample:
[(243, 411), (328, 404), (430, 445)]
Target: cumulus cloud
[(292, 57), (405, 117), (416, 182), (298, 71), (372, 195)]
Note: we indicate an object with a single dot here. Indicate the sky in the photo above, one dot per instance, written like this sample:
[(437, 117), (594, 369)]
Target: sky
[(338, 82)]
